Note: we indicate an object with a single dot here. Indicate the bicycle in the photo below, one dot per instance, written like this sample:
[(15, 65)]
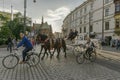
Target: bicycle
[(11, 61), (82, 56)]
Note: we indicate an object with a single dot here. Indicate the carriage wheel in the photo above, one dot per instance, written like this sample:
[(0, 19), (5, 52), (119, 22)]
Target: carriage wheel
[(76, 51)]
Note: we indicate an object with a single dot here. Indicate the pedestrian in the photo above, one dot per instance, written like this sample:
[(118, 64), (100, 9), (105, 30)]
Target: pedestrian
[(33, 42), (118, 44), (9, 41), (14, 41)]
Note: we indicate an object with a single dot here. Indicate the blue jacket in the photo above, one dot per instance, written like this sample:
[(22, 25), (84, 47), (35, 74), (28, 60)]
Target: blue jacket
[(25, 42)]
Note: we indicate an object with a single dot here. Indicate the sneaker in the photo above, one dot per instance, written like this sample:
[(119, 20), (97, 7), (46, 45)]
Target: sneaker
[(21, 62)]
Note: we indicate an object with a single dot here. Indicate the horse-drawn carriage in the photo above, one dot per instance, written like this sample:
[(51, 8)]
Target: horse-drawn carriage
[(79, 41), (60, 43)]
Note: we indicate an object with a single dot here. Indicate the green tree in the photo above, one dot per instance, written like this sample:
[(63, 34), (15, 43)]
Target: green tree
[(4, 34), (16, 25)]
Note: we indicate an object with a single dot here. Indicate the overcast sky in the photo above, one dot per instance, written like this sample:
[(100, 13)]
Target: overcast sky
[(54, 11)]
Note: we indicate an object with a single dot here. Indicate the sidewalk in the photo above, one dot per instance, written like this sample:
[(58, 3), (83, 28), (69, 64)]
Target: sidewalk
[(112, 49), (110, 53), (3, 46)]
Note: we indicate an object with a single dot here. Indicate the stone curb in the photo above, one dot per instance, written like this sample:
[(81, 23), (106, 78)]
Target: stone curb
[(109, 55)]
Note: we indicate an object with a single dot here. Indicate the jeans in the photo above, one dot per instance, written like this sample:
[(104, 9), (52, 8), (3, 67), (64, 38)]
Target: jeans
[(117, 47), (24, 53), (9, 47)]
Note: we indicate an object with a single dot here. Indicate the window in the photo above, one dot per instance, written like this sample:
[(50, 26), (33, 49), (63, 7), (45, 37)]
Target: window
[(91, 16), (84, 29), (85, 9), (71, 17), (91, 6), (80, 30), (91, 28), (106, 25), (117, 23), (80, 21), (117, 7), (81, 12), (84, 19), (106, 1), (106, 11)]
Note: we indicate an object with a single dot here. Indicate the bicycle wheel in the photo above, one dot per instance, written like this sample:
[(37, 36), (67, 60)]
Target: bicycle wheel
[(92, 56), (10, 61), (33, 59), (80, 58)]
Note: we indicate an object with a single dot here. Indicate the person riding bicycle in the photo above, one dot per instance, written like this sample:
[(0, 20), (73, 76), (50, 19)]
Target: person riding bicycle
[(89, 45), (27, 44)]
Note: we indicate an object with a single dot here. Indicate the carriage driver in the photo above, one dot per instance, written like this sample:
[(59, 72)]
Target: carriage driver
[(27, 44)]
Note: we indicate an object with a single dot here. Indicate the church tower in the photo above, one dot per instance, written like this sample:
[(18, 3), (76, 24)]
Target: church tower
[(42, 20)]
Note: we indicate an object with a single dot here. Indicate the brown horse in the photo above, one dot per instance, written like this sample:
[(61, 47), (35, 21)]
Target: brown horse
[(46, 44), (59, 43)]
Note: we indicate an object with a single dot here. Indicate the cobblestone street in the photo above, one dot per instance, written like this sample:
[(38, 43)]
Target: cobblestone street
[(59, 69)]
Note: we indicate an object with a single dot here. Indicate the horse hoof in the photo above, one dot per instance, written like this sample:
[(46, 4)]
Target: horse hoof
[(57, 56), (65, 56), (42, 58), (51, 56), (39, 55)]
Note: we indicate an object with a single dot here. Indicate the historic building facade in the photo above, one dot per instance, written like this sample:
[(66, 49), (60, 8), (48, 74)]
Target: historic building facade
[(43, 28), (91, 16), (117, 16)]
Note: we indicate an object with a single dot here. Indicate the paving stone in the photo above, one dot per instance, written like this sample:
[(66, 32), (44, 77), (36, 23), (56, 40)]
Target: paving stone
[(57, 69)]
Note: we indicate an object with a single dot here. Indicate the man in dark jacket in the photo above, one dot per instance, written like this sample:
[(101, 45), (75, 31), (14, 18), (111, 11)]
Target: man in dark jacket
[(9, 41), (27, 44), (70, 36)]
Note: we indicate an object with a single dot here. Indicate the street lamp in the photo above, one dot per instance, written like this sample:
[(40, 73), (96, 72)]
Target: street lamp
[(89, 23), (103, 22), (25, 6)]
